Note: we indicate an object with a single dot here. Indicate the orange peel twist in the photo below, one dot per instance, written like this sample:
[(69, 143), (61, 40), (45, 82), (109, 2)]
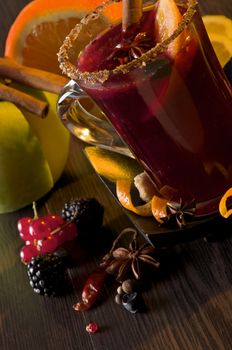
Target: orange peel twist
[(123, 190), (223, 209)]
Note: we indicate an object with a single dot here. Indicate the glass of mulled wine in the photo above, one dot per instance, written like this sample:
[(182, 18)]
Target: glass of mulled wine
[(165, 101)]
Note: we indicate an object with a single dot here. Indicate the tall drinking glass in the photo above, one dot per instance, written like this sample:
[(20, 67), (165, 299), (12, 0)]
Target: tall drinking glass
[(173, 113)]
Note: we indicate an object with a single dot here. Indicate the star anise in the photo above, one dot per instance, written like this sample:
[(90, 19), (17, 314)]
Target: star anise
[(122, 261), (127, 51), (180, 212)]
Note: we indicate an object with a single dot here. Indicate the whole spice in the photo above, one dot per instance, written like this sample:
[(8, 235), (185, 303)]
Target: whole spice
[(129, 286), (36, 78), (122, 261), (91, 290), (132, 302), (23, 100), (180, 213), (132, 11), (129, 50)]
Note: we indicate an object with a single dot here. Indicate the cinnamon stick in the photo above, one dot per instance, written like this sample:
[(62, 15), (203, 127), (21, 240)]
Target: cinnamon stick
[(23, 100), (32, 77), (131, 13)]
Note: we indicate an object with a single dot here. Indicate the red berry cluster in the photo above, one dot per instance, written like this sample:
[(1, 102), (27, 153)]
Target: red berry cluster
[(44, 235)]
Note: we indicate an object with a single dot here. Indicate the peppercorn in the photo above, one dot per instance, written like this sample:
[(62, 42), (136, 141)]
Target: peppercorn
[(129, 286)]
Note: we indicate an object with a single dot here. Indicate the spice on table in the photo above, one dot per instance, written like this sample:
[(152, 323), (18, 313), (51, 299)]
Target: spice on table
[(92, 327), (132, 302), (33, 77), (129, 286), (91, 290), (10, 70), (129, 296), (23, 100), (122, 261)]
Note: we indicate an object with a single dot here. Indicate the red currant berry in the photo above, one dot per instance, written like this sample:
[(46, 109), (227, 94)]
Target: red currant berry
[(48, 245), (27, 252), (23, 228), (54, 221), (32, 242), (39, 229)]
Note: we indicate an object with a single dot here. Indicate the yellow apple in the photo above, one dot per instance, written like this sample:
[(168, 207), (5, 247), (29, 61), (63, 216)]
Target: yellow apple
[(53, 136), (25, 175), (33, 153)]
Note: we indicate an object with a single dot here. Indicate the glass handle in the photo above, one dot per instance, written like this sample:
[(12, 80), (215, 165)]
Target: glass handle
[(84, 119)]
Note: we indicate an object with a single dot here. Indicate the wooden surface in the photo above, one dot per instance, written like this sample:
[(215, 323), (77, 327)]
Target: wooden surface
[(189, 301)]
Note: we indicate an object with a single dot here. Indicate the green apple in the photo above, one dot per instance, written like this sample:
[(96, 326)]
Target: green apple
[(25, 174), (33, 152)]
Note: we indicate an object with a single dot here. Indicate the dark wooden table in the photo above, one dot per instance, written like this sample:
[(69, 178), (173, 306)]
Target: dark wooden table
[(189, 302)]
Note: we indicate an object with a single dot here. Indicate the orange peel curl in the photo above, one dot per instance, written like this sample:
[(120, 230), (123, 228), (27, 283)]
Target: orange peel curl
[(123, 190), (223, 209)]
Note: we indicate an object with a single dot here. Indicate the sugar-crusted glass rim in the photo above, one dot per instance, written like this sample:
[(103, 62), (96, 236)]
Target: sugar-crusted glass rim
[(73, 72)]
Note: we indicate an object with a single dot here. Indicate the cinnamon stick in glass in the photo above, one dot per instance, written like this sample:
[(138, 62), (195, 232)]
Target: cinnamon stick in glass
[(131, 13)]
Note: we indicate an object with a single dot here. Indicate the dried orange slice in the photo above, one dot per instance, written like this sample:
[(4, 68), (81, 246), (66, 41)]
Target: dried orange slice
[(112, 165), (123, 190), (223, 209), (40, 28), (168, 17)]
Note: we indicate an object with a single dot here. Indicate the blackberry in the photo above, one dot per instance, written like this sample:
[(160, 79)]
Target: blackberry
[(64, 255), (47, 274), (86, 213)]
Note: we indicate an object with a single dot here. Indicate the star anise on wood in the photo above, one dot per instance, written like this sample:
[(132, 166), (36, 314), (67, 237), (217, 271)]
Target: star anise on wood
[(122, 261), (180, 212), (127, 51)]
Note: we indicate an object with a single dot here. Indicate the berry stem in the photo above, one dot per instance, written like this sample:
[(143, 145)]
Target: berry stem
[(36, 216), (56, 230)]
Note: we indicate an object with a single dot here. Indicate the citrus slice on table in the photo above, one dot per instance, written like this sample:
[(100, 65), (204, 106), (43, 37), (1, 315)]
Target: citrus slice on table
[(219, 29), (41, 27)]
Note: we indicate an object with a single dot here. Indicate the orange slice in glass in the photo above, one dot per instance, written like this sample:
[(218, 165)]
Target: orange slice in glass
[(168, 17)]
